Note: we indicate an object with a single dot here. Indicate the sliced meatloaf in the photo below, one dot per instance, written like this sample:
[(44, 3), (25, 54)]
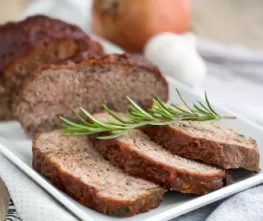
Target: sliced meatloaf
[(55, 91), (207, 142), (73, 166), (136, 154), (27, 44)]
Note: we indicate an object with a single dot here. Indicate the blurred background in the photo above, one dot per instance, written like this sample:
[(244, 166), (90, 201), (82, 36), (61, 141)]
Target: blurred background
[(230, 21)]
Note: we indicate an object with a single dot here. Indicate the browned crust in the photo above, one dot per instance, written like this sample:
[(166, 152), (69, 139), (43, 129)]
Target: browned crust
[(20, 37), (107, 59), (222, 154), (87, 49), (87, 195), (130, 59), (85, 44), (171, 178), (5, 114), (80, 65)]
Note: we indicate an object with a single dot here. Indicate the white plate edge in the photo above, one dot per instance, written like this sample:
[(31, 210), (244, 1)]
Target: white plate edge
[(204, 200)]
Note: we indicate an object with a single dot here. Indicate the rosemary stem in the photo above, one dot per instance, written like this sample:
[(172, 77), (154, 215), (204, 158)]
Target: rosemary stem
[(159, 115), (227, 117)]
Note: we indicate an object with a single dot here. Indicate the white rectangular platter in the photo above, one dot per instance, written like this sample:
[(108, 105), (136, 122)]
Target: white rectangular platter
[(17, 148)]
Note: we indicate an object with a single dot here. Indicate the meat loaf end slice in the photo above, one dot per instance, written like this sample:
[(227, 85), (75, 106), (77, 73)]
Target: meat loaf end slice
[(136, 154), (72, 165), (210, 143), (32, 42), (55, 91), (17, 38)]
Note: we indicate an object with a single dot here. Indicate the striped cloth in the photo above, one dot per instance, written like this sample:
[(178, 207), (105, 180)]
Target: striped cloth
[(12, 214)]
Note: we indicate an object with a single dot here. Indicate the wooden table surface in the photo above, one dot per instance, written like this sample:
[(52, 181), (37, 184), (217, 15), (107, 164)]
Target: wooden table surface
[(4, 199), (235, 21)]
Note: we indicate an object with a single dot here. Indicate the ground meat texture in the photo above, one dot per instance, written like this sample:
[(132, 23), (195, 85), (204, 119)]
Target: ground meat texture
[(136, 154), (210, 143), (55, 91), (75, 167), (28, 44)]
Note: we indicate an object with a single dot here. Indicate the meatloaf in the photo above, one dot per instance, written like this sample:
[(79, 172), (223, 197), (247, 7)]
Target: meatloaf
[(73, 166), (136, 154), (54, 91), (87, 49), (27, 44), (207, 142)]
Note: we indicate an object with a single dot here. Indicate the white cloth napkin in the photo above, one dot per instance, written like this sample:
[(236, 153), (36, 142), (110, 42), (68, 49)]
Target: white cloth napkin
[(32, 202)]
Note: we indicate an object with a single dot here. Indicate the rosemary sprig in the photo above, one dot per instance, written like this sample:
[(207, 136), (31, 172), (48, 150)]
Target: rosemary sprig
[(160, 114)]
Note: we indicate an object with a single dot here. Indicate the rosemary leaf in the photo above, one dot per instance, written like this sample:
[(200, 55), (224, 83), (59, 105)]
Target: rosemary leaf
[(185, 103), (92, 118), (110, 112), (180, 109), (116, 123), (114, 135), (161, 123), (162, 108), (210, 107), (200, 110), (138, 108), (204, 108), (134, 119), (80, 118), (77, 134), (67, 122)]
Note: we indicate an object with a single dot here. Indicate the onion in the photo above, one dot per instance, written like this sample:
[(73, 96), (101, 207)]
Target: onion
[(131, 23)]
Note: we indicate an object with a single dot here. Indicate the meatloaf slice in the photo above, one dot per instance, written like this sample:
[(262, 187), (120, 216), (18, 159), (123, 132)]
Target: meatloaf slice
[(208, 142), (136, 154), (73, 166), (55, 91), (27, 44)]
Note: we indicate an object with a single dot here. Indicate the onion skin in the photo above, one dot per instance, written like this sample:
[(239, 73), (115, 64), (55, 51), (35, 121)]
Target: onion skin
[(131, 23)]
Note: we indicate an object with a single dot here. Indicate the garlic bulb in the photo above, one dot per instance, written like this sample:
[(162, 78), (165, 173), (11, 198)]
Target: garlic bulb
[(176, 55)]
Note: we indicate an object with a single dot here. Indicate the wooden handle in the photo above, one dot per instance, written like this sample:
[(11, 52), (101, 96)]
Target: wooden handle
[(4, 200)]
